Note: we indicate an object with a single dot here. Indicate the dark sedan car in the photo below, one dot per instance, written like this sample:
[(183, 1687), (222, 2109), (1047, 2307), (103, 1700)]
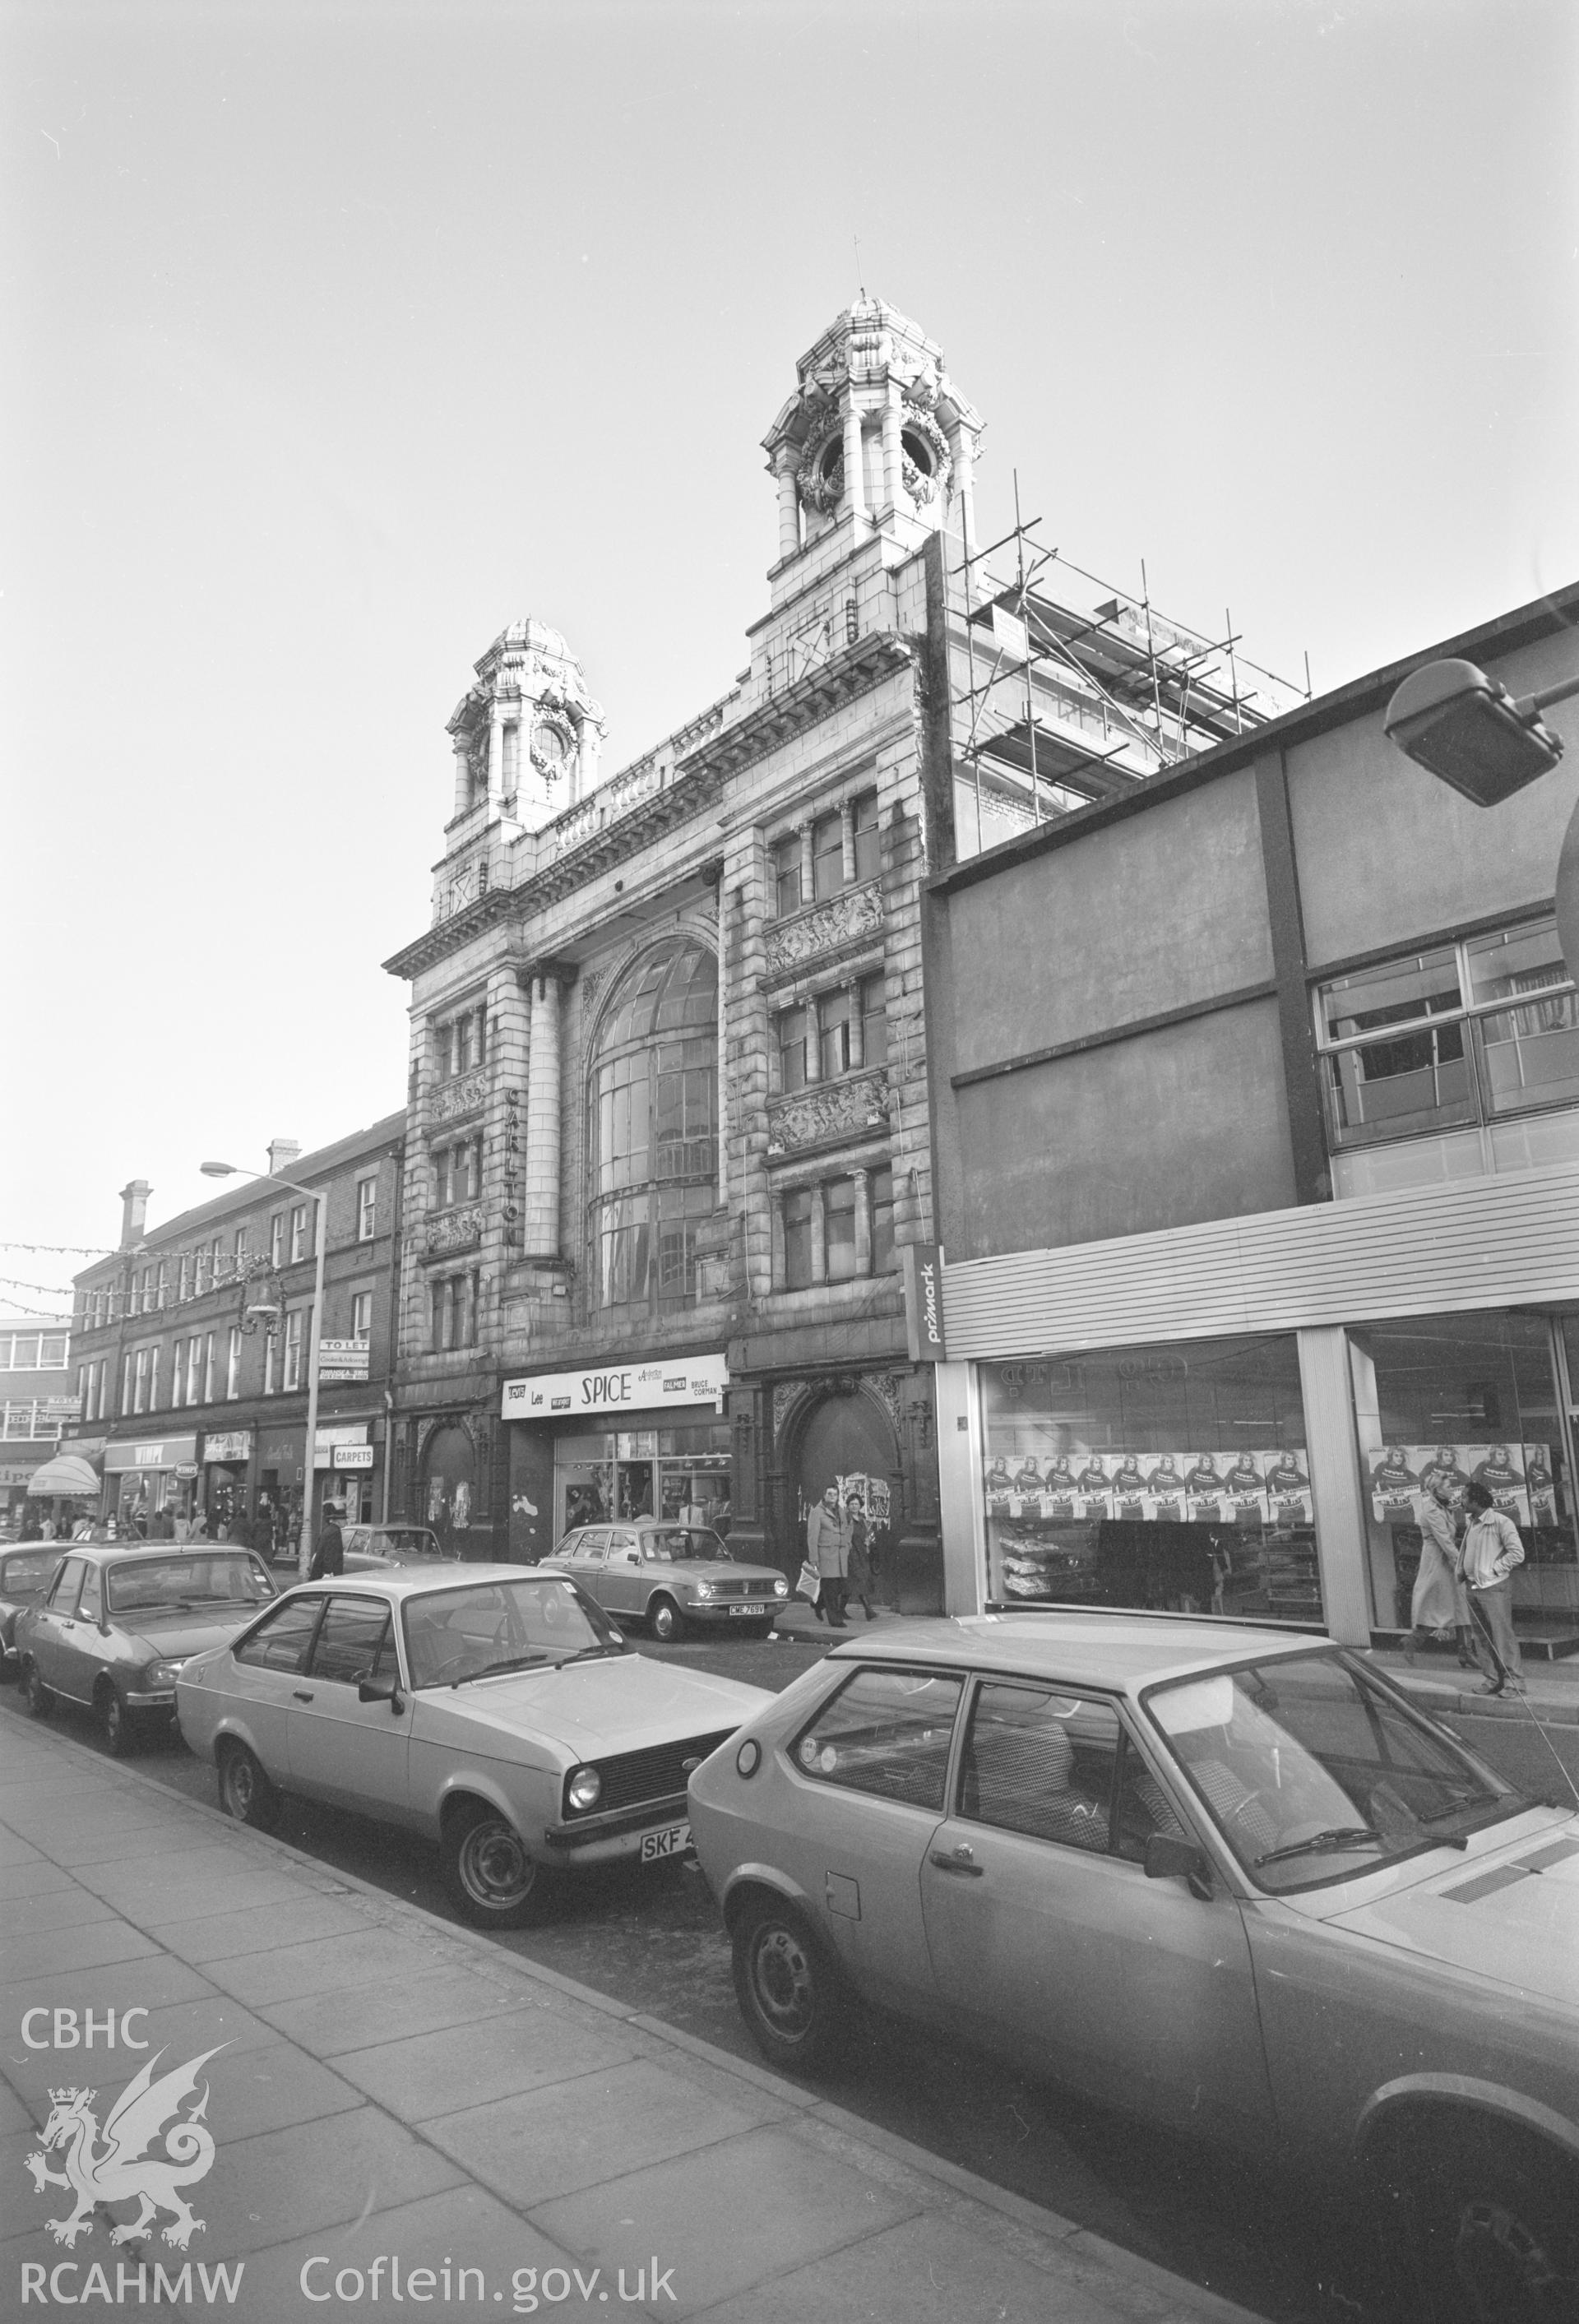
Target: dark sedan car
[(671, 1575), (118, 1623), (25, 1576)]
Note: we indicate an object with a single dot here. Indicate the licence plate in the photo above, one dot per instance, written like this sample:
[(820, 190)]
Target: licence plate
[(674, 1840), (748, 1609)]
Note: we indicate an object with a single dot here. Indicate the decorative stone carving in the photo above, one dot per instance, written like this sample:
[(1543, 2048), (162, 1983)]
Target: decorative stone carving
[(453, 1231), (824, 927), (785, 1394), (850, 1108), (919, 424), (467, 1094), (462, 888)]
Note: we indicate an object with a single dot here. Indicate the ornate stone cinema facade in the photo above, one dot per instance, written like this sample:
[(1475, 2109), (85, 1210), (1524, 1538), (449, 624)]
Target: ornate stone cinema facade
[(668, 1110)]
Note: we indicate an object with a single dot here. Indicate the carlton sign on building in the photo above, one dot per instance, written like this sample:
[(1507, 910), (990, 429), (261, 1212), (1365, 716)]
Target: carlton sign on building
[(620, 1388)]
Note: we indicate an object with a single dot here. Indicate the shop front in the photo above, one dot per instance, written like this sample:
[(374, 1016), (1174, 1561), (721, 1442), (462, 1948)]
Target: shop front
[(343, 1464), (149, 1482), (1262, 1453), (647, 1439), (226, 1459)]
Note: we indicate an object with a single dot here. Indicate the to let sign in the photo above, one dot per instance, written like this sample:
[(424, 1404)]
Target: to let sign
[(922, 1264)]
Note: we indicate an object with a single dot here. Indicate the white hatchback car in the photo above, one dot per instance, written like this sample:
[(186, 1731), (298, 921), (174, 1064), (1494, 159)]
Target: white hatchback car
[(1230, 1880), (493, 1708)]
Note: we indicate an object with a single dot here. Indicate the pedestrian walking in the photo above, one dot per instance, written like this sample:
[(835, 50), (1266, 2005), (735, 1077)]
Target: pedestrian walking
[(1440, 1601), (1491, 1549), (863, 1582), (827, 1548), (329, 1554)]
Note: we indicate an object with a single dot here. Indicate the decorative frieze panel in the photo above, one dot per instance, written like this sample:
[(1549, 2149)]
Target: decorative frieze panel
[(453, 1231), (467, 886), (827, 928), (851, 1108), (467, 1094)]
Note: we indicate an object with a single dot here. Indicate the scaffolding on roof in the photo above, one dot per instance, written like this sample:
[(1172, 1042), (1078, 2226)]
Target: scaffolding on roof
[(1074, 691)]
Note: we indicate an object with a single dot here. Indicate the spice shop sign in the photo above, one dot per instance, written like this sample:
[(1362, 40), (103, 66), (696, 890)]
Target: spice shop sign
[(622, 1388)]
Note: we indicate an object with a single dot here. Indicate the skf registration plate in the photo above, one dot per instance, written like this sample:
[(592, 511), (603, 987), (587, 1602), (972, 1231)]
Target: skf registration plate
[(674, 1840), (748, 1609)]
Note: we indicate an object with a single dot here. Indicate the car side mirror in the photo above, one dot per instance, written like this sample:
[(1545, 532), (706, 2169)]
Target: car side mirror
[(1170, 1858), (382, 1690)]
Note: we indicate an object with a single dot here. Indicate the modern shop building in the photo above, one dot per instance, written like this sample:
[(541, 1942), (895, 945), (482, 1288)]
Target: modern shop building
[(191, 1344), (36, 1403), (1256, 1123)]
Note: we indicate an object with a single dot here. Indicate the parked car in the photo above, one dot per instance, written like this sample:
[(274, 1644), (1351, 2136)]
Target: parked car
[(501, 1715), (670, 1576), (25, 1576), (1232, 1881), (118, 1622), (374, 1548)]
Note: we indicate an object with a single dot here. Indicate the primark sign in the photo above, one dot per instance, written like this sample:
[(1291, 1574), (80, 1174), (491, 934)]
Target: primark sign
[(651, 1386)]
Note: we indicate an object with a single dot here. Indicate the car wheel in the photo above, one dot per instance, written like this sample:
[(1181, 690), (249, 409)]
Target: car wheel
[(120, 1727), (246, 1791), (791, 1994), (663, 1619), (39, 1701), (493, 1881), (1495, 2221)]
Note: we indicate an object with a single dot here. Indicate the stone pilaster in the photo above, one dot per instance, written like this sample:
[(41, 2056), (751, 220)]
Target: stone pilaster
[(541, 1181), (892, 449), (784, 466)]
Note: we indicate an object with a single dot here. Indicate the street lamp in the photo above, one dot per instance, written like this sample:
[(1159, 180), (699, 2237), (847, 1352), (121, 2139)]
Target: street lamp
[(1470, 733), (320, 1238)]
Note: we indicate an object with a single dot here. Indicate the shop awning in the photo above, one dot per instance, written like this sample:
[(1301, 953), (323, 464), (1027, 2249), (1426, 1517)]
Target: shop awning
[(67, 1474)]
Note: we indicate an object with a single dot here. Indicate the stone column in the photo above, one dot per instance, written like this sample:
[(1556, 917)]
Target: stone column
[(495, 750), (776, 1214), (892, 450), (854, 483), (819, 1237), (847, 842), (808, 861), (813, 1041), (540, 1204), (463, 775), (784, 466), (857, 1031), (965, 487), (863, 1222)]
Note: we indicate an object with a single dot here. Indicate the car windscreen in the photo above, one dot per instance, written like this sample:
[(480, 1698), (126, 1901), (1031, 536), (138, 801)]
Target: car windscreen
[(468, 1632), (684, 1544), (190, 1579), (29, 1569), (1313, 1771)]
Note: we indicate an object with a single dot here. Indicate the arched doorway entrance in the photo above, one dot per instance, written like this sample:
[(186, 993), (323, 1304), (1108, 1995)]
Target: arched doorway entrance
[(848, 1442), (449, 1484)]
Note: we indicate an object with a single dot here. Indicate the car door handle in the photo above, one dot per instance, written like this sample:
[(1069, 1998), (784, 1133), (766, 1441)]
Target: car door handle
[(301, 1695), (959, 1861)]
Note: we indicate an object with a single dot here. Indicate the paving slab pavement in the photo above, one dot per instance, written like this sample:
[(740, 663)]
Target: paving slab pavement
[(397, 2104)]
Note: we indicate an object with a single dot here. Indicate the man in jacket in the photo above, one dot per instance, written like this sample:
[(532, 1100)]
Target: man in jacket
[(330, 1554), (1491, 1550), (828, 1548)]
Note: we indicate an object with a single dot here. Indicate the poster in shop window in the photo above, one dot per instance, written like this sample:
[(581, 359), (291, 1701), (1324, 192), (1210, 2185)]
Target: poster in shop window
[(1246, 1490), (1287, 1486), (1518, 1478)]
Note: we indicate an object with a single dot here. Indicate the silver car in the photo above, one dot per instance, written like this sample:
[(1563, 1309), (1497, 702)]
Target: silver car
[(493, 1708), (1231, 1881), (374, 1548), (669, 1576)]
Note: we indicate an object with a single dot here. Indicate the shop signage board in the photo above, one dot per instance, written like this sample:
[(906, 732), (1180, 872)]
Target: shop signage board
[(343, 1359), (352, 1456), (186, 1469), (619, 1387), (231, 1445), (922, 1269), (347, 1432), (163, 1452), (13, 1473)]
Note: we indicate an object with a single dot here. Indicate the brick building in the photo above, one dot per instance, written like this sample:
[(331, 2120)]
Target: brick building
[(36, 1404), (669, 1110), (191, 1343)]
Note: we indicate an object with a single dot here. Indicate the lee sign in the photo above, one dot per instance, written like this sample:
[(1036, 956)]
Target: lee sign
[(623, 1388)]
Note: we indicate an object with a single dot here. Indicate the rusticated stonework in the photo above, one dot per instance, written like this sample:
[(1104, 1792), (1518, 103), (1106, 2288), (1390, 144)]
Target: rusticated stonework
[(852, 1108), (467, 1094), (826, 927), (454, 1231)]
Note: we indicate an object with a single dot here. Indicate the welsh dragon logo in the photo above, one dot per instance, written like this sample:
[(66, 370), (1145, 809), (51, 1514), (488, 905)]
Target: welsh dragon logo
[(123, 2170)]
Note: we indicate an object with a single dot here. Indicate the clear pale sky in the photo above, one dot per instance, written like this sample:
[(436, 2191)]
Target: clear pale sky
[(339, 335)]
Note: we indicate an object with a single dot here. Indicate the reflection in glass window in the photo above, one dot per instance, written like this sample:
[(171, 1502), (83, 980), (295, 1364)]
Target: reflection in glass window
[(886, 1732), (1042, 1764)]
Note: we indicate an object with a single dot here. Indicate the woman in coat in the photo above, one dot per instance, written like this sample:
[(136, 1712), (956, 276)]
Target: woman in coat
[(827, 1548), (863, 1583)]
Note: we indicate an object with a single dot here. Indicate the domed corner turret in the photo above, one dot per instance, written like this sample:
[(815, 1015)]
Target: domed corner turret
[(876, 436), (528, 733)]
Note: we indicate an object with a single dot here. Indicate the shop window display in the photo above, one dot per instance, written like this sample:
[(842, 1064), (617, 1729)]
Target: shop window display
[(1172, 1478), (1468, 1397), (681, 1473)]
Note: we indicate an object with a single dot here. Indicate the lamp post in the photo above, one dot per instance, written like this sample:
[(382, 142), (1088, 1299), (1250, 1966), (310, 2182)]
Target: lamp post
[(1470, 733), (319, 1237)]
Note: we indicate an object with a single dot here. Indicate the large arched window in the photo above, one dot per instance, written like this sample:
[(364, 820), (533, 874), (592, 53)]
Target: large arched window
[(653, 1090)]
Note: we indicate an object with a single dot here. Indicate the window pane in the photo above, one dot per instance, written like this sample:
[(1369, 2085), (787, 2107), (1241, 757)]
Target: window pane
[(348, 1642), (280, 1641), (1041, 1762), (888, 1733), (839, 1217), (1399, 991), (1530, 1054), (792, 1049), (873, 1022), (25, 1352), (868, 857), (828, 851), (787, 896), (833, 1011), (798, 1240), (1387, 1089), (52, 1353), (882, 1253)]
